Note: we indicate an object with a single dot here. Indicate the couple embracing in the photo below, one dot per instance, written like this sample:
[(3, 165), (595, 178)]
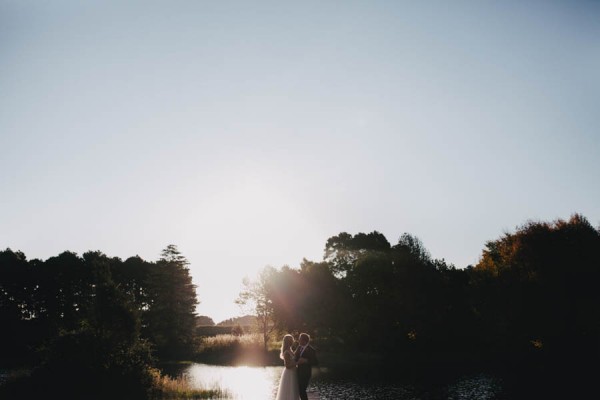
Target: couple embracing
[(298, 368)]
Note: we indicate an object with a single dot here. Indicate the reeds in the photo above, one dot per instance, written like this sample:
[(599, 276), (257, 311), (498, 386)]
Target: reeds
[(227, 341), (247, 349), (165, 387)]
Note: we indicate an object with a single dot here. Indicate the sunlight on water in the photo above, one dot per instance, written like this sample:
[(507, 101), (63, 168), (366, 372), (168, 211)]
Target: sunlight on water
[(240, 382), (260, 383)]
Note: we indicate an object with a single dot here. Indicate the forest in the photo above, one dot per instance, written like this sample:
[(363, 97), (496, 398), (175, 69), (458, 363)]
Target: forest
[(530, 302), (532, 299)]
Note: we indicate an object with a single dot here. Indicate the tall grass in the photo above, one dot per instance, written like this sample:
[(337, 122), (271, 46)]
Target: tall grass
[(227, 341), (232, 349), (165, 387)]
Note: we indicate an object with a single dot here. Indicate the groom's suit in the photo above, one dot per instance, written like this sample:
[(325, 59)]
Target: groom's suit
[(305, 369)]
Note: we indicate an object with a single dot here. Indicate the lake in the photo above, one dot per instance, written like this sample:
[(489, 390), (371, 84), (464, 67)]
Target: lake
[(260, 383)]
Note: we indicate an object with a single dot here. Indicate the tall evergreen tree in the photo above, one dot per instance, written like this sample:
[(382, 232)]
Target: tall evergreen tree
[(170, 318)]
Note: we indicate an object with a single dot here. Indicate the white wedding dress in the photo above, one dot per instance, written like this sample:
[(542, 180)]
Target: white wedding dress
[(288, 384)]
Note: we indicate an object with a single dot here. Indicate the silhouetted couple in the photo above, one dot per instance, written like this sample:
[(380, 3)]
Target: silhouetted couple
[(298, 367)]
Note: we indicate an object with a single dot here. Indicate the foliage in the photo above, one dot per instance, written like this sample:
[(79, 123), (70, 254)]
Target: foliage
[(343, 250), (93, 318), (169, 321), (246, 320), (203, 320), (530, 299), (203, 331), (536, 289), (258, 294)]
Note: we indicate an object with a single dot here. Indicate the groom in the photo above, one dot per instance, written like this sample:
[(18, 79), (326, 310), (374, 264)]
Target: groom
[(306, 357)]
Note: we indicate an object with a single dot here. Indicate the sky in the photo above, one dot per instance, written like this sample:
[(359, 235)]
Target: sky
[(247, 133)]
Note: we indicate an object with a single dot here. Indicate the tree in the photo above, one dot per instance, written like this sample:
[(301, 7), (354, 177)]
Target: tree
[(288, 294), (343, 250), (17, 305), (414, 246), (84, 327), (171, 254), (389, 297), (203, 320), (536, 288), (257, 294), (170, 320), (133, 278)]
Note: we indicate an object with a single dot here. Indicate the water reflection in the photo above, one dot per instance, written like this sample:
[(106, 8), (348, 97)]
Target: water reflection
[(3, 375), (260, 383), (239, 382), (475, 387)]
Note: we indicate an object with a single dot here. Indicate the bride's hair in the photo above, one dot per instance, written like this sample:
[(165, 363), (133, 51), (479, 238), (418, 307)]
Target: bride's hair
[(288, 340)]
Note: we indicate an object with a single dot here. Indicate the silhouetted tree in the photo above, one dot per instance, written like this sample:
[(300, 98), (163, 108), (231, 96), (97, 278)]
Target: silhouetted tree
[(203, 320), (17, 306), (170, 320), (323, 307), (258, 294), (343, 250), (537, 290), (91, 335)]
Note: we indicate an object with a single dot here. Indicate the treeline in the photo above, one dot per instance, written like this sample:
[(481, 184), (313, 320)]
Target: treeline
[(103, 322), (246, 320), (203, 320), (531, 299), (97, 321), (236, 326)]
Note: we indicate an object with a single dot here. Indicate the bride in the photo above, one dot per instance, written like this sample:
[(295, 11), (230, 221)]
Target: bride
[(288, 384)]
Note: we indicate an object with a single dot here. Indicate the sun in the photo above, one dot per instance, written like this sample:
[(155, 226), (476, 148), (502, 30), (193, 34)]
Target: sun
[(249, 222)]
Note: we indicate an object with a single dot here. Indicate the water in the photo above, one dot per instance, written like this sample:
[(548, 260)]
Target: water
[(260, 383), (240, 382), (4, 374)]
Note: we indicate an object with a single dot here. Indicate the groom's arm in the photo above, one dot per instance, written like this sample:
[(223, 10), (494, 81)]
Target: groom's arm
[(310, 357), (302, 360)]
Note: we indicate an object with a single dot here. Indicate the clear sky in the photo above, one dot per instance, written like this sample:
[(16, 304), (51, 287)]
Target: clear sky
[(248, 132)]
